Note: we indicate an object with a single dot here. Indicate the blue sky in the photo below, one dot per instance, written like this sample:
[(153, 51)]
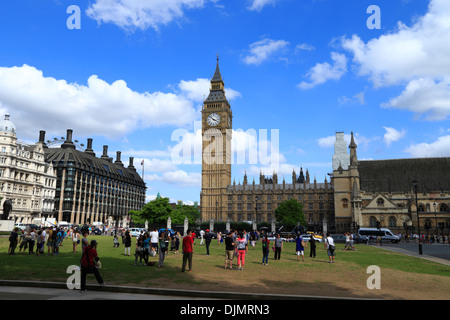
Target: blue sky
[(136, 73)]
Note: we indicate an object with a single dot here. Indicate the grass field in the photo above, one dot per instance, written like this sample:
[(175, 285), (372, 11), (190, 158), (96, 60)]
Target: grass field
[(402, 277)]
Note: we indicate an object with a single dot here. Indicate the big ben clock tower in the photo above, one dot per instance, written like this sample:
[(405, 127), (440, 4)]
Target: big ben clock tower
[(216, 150)]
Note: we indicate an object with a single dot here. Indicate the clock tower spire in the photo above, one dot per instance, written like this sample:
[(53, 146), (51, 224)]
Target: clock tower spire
[(216, 150)]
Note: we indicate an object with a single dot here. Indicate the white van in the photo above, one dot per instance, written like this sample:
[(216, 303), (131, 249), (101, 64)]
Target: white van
[(21, 226), (385, 234)]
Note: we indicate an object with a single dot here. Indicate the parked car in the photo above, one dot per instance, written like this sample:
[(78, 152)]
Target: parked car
[(135, 232), (338, 238), (21, 226)]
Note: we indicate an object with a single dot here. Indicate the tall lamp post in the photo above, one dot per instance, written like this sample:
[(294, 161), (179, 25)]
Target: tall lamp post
[(418, 221), (435, 217)]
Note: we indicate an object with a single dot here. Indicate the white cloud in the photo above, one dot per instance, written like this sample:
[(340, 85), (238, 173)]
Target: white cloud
[(393, 135), (424, 96), (416, 56), (141, 14), (198, 90), (262, 50), (438, 148), (322, 72), (179, 178), (304, 46), (38, 102), (258, 5), (356, 99)]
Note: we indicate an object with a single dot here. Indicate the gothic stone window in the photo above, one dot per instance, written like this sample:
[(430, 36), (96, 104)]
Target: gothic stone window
[(373, 222), (392, 221), (344, 203)]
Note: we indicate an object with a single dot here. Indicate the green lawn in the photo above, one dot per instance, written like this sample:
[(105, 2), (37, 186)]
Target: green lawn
[(208, 270)]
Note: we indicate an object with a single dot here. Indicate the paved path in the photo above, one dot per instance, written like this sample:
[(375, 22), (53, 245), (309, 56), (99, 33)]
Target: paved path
[(439, 253)]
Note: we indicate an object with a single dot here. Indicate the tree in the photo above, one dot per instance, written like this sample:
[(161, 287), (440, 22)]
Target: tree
[(290, 212), (183, 211), (155, 212)]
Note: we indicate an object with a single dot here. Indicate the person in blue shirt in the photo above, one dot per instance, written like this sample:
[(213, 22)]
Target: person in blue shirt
[(300, 247)]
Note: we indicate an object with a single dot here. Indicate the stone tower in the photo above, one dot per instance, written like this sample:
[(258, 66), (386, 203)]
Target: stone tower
[(216, 150)]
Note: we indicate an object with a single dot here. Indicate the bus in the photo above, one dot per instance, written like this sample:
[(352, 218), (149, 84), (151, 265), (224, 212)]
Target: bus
[(385, 234)]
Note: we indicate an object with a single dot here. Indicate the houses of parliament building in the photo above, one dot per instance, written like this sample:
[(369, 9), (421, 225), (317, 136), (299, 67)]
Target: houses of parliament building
[(377, 193)]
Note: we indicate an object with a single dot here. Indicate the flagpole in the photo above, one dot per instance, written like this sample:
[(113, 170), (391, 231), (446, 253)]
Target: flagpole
[(142, 163)]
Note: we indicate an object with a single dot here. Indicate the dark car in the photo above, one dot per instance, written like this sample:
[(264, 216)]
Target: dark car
[(97, 231), (338, 238)]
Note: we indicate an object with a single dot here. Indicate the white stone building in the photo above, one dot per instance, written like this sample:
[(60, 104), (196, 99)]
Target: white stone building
[(25, 177)]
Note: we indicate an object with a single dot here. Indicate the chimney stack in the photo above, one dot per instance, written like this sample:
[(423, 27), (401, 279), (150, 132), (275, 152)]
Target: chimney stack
[(118, 161), (68, 143), (89, 147)]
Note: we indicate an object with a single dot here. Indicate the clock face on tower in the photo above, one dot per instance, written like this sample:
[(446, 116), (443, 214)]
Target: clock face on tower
[(213, 119)]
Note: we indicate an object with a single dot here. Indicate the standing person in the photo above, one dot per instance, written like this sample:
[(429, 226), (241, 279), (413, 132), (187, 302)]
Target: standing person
[(300, 247), (242, 249), (146, 247), (88, 265), (208, 238), (31, 241), (229, 250), (202, 234), (84, 241), (58, 241), (23, 239), (277, 245), (51, 234), (127, 243), (312, 242), (188, 251), (219, 237), (163, 247), (40, 238), (13, 240), (265, 243), (253, 239), (75, 239), (177, 242), (154, 240), (139, 253), (330, 246)]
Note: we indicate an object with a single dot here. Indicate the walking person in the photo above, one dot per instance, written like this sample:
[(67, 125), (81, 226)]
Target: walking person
[(229, 251), (202, 234), (23, 239), (146, 247), (277, 246), (242, 249), (312, 242), (188, 251), (300, 247), (265, 242), (88, 265), (127, 243), (331, 248), (154, 235)]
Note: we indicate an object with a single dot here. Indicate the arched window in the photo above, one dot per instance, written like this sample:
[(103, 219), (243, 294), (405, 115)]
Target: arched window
[(372, 222), (392, 221), (421, 208), (443, 208)]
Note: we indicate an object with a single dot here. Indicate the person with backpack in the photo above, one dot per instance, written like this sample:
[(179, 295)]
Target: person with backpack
[(300, 247), (163, 246), (241, 246), (88, 265), (265, 242)]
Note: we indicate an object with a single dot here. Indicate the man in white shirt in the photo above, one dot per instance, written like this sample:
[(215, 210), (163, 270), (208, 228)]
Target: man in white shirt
[(202, 233), (330, 246), (154, 240)]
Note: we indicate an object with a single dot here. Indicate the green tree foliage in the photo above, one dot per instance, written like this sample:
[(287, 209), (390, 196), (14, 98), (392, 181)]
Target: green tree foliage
[(157, 211), (290, 212)]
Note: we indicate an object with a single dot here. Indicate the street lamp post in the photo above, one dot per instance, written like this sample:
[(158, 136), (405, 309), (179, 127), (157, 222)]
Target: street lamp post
[(418, 221), (435, 217)]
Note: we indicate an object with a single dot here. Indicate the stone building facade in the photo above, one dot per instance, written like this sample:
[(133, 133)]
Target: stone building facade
[(27, 179), (373, 193)]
